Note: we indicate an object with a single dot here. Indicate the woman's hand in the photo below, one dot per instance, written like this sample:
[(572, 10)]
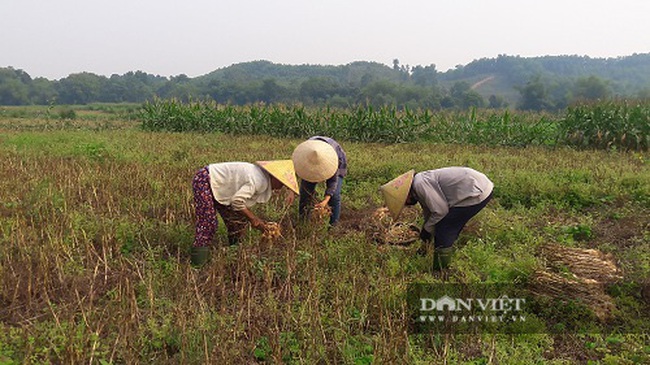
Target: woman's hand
[(323, 204), (258, 224), (255, 221)]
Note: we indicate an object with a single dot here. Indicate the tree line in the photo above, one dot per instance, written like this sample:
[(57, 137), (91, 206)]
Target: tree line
[(542, 83)]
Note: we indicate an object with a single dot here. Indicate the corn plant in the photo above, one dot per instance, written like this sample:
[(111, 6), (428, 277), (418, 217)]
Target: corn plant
[(610, 124)]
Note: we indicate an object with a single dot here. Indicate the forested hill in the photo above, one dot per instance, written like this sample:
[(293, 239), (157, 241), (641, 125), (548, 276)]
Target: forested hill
[(548, 82), (623, 76), (352, 73)]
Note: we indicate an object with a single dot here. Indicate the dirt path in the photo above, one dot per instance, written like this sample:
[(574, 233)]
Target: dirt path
[(477, 84)]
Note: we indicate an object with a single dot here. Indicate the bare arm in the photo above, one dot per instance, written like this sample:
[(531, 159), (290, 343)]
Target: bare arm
[(256, 222)]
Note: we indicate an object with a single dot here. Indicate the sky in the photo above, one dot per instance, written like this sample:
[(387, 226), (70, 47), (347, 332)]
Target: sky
[(54, 39)]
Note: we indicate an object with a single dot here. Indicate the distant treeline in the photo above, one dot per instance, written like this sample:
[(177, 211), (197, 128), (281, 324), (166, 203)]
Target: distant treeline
[(541, 83)]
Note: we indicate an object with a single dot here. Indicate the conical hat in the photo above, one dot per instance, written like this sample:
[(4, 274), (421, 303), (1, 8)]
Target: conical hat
[(396, 191), (315, 160), (282, 170)]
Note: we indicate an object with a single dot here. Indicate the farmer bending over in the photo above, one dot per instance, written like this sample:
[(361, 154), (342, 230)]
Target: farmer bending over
[(231, 188), (449, 198), (316, 160)]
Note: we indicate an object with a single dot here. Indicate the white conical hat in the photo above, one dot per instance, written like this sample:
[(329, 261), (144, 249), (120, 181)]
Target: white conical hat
[(315, 160), (282, 170), (396, 191)]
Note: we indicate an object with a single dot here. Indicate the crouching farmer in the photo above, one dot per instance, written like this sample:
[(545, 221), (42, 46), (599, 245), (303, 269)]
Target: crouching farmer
[(449, 198), (232, 188), (320, 159)]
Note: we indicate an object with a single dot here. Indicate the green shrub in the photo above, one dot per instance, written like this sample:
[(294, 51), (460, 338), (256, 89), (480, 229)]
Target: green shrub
[(67, 114)]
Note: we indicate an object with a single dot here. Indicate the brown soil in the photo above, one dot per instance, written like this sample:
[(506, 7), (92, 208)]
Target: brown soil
[(621, 232), (355, 220)]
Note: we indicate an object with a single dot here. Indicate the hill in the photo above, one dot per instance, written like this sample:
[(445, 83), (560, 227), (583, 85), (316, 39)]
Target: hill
[(553, 82), (503, 76), (626, 76), (351, 73)]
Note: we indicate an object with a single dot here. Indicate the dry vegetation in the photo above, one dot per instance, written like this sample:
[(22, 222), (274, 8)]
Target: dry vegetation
[(96, 225)]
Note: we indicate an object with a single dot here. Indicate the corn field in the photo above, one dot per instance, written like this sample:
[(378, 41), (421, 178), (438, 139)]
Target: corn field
[(619, 124), (605, 125)]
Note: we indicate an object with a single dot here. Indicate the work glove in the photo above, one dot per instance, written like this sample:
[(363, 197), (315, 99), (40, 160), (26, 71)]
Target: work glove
[(425, 235)]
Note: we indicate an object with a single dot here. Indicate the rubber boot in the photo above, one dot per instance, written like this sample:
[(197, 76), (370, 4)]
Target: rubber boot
[(442, 258), (199, 255), (233, 240)]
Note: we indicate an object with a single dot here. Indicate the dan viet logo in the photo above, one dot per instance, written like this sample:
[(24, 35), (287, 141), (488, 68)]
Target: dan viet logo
[(466, 310)]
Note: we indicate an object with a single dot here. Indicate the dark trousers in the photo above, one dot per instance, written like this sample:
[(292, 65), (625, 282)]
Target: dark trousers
[(308, 198), (448, 229)]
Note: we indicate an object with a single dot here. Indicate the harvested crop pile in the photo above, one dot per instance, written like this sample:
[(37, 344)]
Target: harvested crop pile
[(578, 275), (383, 230), (587, 292), (320, 212), (271, 231), (583, 263)]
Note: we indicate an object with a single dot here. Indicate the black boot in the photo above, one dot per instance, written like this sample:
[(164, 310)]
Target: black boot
[(442, 258), (199, 255), (233, 240)]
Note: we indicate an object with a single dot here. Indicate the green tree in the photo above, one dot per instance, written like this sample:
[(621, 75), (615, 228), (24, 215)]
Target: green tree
[(42, 91), (131, 87), (318, 89), (534, 96), (14, 87), (464, 97), (591, 88), (81, 88), (378, 93), (271, 91), (179, 87), (425, 76), (497, 102)]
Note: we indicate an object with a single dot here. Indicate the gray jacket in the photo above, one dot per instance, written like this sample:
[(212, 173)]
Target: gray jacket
[(439, 190)]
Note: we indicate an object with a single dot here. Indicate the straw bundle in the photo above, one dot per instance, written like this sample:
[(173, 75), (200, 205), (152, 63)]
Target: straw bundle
[(586, 291), (577, 274), (584, 263)]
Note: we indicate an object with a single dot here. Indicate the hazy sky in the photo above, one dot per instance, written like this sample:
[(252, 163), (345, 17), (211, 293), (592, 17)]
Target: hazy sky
[(54, 38)]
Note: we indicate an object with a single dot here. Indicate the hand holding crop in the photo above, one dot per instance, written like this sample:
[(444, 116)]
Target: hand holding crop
[(271, 230), (323, 203), (255, 221)]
